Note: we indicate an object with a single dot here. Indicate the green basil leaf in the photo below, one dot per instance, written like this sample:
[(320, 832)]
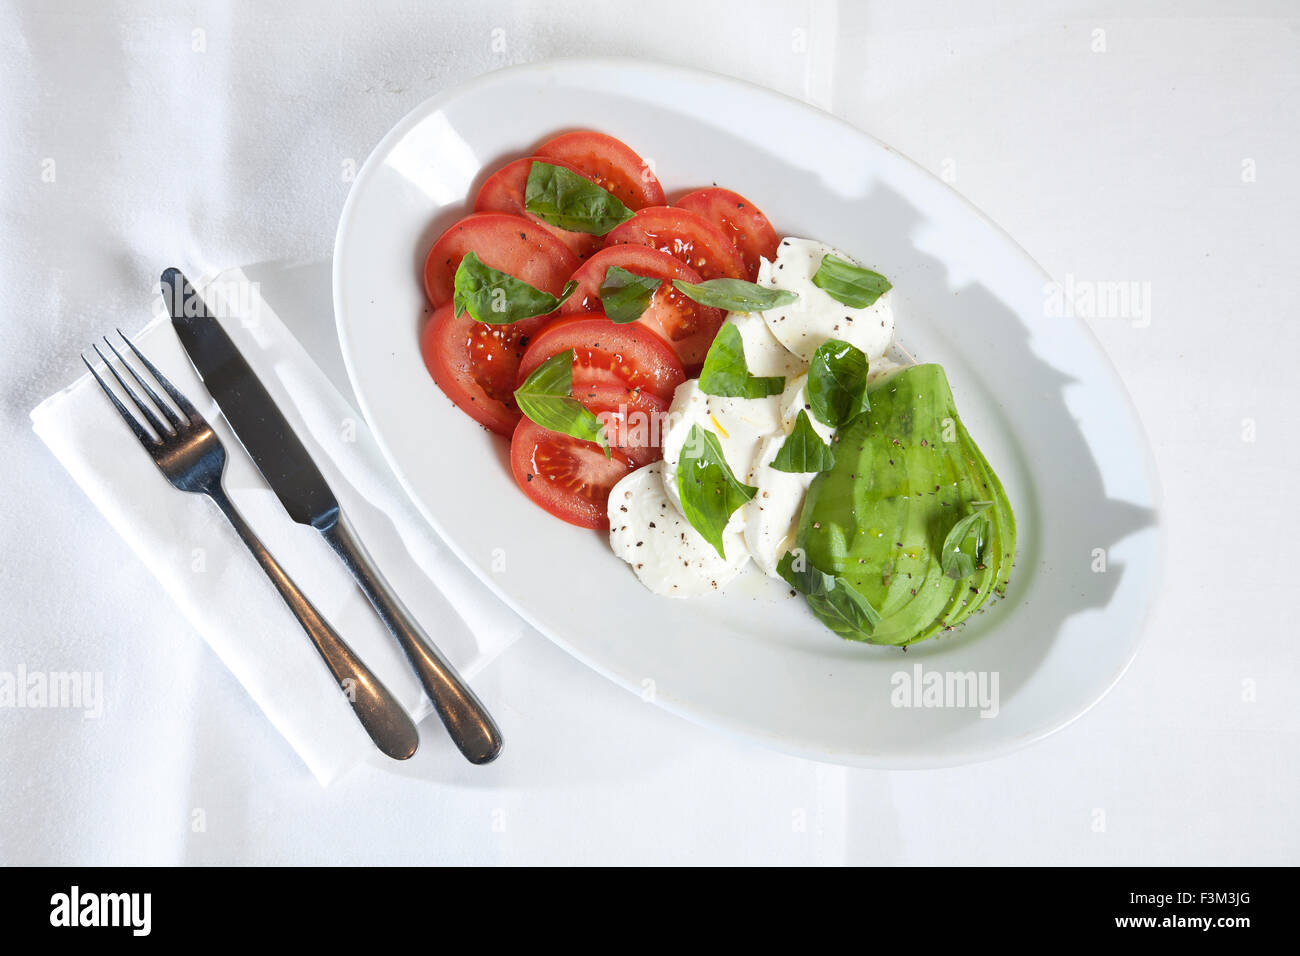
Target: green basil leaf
[(546, 397), (799, 573), (725, 372), (566, 200), (837, 604), (498, 298), (837, 383), (963, 548), (804, 452), (707, 488), (852, 285), (845, 611), (735, 295), (626, 295)]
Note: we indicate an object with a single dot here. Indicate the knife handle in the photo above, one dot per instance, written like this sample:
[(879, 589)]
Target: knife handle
[(383, 718), (467, 721)]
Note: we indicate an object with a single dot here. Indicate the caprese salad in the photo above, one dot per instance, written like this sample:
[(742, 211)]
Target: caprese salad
[(713, 394)]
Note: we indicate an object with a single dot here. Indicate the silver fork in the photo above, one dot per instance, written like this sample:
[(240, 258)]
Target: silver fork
[(190, 455)]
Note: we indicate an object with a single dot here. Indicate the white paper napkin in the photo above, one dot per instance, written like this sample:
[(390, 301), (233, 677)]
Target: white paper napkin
[(202, 564)]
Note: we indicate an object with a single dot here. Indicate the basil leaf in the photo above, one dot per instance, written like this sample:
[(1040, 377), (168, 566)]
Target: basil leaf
[(566, 200), (804, 451), (707, 488), (799, 573), (498, 298), (726, 374), (845, 611), (734, 295), (546, 397), (837, 383), (626, 295), (963, 548), (837, 604), (852, 285)]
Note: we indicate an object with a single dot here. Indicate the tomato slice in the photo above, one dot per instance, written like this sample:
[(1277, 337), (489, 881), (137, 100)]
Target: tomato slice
[(509, 243), (606, 354), (505, 191), (739, 219), (684, 324), (610, 163), (572, 478), (476, 364), (685, 235)]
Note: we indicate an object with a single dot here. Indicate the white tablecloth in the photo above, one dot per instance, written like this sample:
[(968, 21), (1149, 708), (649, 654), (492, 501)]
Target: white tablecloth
[(1152, 142)]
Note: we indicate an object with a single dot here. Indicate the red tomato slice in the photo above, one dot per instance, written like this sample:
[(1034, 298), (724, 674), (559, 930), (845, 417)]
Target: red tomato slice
[(608, 163), (476, 364), (572, 478), (739, 219), (684, 324), (508, 243), (505, 191), (605, 354), (685, 235), (634, 420)]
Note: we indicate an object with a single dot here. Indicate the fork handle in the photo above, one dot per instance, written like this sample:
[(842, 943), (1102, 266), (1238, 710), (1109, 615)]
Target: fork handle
[(383, 718), (467, 721)]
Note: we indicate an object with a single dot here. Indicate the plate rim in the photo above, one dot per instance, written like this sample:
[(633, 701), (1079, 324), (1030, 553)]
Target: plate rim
[(708, 718)]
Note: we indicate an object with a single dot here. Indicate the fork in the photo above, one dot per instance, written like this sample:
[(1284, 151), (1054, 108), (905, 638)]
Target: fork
[(192, 458)]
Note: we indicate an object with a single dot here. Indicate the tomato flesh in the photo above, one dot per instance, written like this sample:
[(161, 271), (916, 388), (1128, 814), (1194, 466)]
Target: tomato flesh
[(571, 478), (505, 192), (740, 220), (476, 364), (608, 162), (511, 244), (606, 354), (683, 323), (633, 420), (685, 235)]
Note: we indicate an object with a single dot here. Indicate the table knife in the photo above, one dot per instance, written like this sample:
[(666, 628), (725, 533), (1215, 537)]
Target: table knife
[(302, 490)]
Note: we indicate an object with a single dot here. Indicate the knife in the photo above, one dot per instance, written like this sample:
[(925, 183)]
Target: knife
[(302, 490)]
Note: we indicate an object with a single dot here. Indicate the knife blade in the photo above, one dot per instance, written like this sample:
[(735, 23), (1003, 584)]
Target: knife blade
[(248, 407), (288, 468)]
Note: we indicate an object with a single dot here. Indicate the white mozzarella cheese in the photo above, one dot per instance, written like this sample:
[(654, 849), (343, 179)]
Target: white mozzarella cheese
[(795, 400), (764, 354), (668, 555), (772, 516), (807, 323), (740, 425)]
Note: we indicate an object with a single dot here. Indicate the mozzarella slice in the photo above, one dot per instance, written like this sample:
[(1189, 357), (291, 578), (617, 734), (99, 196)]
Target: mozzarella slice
[(764, 354), (772, 516), (668, 555), (795, 400), (740, 425), (806, 324)]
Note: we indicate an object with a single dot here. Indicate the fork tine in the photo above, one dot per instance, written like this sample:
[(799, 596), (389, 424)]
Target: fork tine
[(149, 414), (141, 433), (176, 394), (171, 416)]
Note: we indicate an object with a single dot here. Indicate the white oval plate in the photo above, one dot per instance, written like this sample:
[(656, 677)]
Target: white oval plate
[(1035, 391)]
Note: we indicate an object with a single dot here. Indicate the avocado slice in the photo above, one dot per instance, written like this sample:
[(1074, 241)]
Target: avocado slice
[(905, 472)]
